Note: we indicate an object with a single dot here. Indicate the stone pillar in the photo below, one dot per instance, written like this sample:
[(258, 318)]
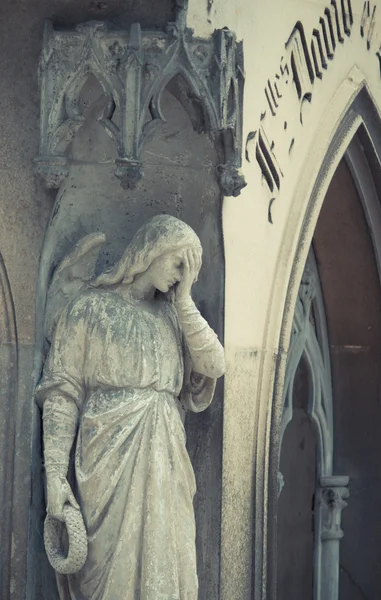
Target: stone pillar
[(333, 493)]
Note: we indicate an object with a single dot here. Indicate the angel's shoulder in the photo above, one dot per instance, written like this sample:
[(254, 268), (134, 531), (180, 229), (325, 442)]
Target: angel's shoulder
[(97, 299), (86, 302)]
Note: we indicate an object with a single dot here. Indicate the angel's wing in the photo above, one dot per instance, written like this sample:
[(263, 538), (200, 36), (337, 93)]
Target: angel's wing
[(71, 277)]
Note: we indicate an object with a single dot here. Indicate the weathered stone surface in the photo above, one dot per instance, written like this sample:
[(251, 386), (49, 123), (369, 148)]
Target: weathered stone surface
[(133, 67), (179, 180), (129, 351)]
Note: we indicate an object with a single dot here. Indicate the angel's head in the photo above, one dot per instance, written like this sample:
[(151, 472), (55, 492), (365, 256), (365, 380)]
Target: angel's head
[(158, 246)]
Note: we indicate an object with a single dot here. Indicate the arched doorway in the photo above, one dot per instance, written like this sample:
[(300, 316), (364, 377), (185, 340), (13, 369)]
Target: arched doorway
[(331, 417)]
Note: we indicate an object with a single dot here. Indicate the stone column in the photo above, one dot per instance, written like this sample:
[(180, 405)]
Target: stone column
[(333, 493)]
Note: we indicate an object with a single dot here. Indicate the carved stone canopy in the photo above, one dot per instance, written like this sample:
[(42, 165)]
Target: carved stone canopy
[(133, 68)]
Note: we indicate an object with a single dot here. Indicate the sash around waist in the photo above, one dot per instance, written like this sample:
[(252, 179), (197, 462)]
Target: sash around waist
[(113, 421), (116, 400)]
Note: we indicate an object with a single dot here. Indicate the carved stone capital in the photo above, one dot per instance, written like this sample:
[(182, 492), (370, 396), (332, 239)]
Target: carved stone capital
[(231, 180), (129, 172), (52, 169), (334, 492)]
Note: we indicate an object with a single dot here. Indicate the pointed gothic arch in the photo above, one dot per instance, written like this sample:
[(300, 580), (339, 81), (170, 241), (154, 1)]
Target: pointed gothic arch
[(351, 111)]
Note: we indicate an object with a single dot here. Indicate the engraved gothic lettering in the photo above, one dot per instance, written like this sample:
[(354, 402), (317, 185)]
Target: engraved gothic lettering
[(304, 61), (268, 163), (368, 22), (300, 61)]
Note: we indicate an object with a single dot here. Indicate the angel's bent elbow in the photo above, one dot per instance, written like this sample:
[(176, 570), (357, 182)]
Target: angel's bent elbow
[(218, 366)]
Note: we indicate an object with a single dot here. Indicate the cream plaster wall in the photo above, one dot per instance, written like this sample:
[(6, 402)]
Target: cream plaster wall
[(260, 256), (264, 28)]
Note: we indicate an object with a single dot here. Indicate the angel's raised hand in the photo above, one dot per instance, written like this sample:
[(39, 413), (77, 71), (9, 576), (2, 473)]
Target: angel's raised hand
[(191, 268)]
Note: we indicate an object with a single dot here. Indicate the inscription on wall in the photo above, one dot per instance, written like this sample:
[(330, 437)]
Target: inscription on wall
[(305, 61)]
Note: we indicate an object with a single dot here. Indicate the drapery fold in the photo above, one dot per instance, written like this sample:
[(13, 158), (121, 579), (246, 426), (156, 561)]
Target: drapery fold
[(127, 370)]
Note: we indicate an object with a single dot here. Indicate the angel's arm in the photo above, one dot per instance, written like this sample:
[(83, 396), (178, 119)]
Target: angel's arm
[(60, 418), (60, 423), (206, 352), (60, 394)]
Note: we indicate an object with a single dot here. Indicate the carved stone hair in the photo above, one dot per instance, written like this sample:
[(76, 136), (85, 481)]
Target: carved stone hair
[(158, 236)]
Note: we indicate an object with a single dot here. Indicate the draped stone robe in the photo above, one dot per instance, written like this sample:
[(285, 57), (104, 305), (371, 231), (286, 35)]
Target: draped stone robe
[(127, 370)]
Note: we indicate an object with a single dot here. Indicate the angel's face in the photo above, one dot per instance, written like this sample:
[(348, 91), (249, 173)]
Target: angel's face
[(166, 270)]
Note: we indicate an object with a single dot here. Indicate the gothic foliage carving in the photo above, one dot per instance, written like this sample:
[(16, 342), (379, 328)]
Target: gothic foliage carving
[(134, 67)]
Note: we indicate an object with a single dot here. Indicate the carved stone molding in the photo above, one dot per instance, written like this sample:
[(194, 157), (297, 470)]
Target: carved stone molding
[(310, 340), (9, 356), (133, 68)]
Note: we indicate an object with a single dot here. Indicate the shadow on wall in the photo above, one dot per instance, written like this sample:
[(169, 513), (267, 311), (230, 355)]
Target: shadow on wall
[(296, 500)]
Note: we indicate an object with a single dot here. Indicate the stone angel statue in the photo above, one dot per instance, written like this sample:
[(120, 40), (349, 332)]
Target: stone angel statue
[(129, 350)]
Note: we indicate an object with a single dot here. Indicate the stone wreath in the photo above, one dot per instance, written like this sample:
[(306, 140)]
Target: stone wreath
[(70, 533)]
